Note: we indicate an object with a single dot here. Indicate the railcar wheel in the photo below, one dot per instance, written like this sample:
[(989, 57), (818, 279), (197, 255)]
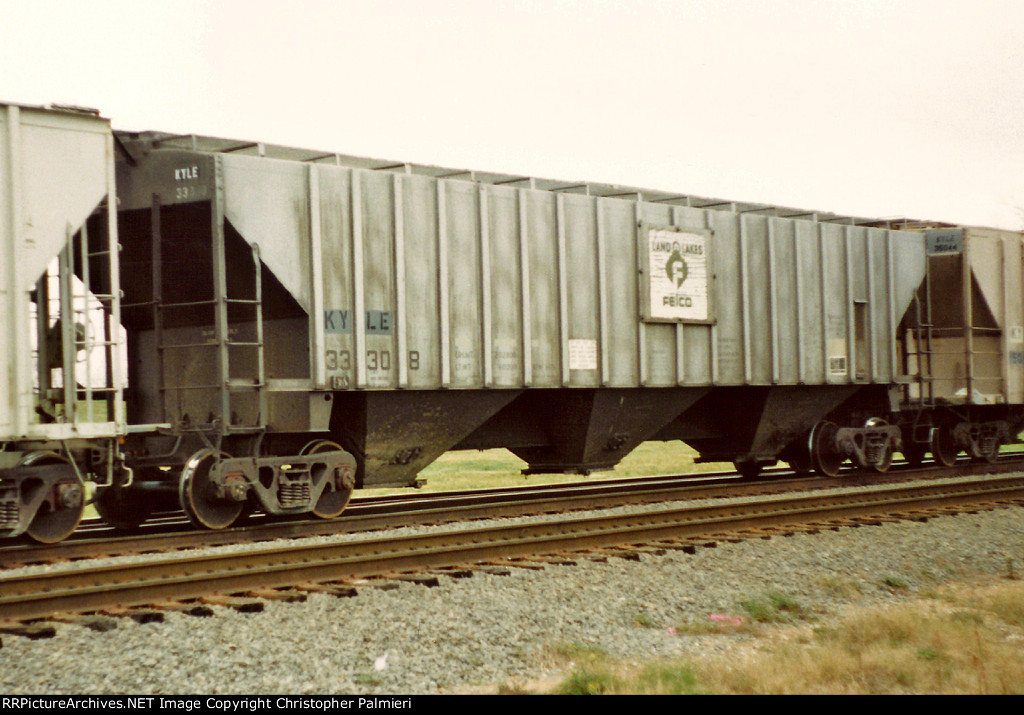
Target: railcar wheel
[(943, 447), (825, 457), (60, 514), (198, 493), (332, 502)]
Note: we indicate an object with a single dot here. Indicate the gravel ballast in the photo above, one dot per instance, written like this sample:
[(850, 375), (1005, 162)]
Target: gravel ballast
[(491, 629)]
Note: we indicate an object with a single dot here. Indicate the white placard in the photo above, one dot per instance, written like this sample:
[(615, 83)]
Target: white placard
[(678, 275), (837, 364), (582, 354)]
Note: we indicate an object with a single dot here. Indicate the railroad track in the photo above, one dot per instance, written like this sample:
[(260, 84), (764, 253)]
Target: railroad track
[(173, 532), (177, 579)]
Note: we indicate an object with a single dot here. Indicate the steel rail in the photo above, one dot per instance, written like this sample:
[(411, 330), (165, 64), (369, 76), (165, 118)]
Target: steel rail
[(378, 513), (445, 507), (182, 577)]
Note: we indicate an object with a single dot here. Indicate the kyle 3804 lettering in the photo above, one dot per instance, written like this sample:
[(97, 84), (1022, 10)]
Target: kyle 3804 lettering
[(188, 187), (378, 322)]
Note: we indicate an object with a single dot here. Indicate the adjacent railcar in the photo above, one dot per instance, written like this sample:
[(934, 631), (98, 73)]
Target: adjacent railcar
[(958, 381), (61, 408), (964, 345)]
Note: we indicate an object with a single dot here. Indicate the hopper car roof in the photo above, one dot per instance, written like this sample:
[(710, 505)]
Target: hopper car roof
[(134, 144)]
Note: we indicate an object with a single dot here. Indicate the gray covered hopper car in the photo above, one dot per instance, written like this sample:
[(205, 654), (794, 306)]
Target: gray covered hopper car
[(963, 345), (61, 412), (402, 311), (263, 327)]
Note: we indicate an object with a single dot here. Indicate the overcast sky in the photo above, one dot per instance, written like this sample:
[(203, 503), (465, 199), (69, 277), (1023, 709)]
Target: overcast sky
[(866, 107)]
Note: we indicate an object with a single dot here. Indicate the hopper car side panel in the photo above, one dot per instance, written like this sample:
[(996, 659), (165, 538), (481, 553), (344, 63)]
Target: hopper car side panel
[(519, 288), (401, 282)]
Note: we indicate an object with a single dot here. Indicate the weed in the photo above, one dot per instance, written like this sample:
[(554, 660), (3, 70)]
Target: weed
[(513, 687), (580, 651), (584, 681), (782, 602), (910, 648), (775, 607), (841, 586), (894, 583), (967, 618), (644, 620), (669, 679), (1007, 606), (759, 611), (827, 634)]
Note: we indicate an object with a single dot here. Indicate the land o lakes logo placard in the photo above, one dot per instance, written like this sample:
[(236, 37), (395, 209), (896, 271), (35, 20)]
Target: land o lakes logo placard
[(678, 274)]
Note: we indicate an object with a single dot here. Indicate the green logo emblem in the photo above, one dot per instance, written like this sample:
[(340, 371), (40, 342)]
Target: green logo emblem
[(676, 269)]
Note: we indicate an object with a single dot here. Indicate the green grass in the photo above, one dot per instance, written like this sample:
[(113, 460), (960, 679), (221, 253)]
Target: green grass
[(967, 638), (493, 468), (587, 681), (774, 607), (499, 468)]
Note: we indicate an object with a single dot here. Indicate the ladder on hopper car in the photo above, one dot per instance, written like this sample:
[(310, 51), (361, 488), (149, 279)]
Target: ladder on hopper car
[(919, 393), (222, 345), (76, 307), (254, 384)]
